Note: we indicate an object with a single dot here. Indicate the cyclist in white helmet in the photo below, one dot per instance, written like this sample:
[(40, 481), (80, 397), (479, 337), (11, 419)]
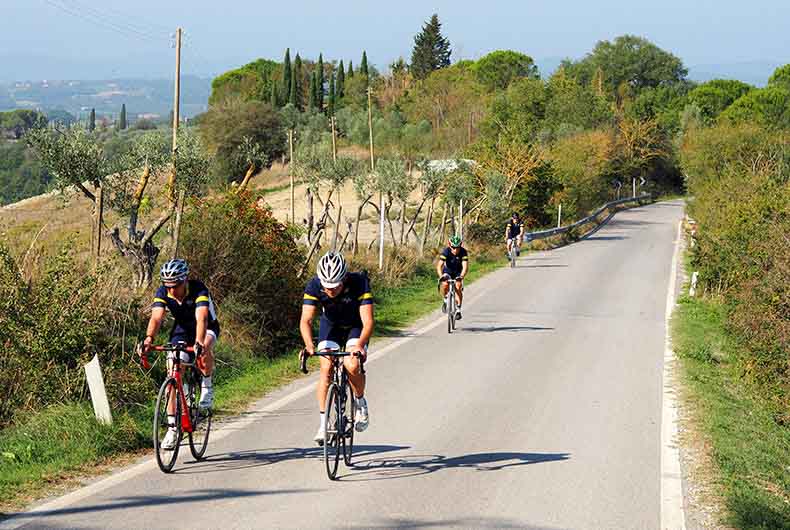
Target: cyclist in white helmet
[(346, 305), (194, 322)]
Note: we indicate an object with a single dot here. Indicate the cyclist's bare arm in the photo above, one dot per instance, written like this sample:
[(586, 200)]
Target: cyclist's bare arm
[(439, 266), (366, 314), (201, 314), (154, 323), (464, 268), (306, 326)]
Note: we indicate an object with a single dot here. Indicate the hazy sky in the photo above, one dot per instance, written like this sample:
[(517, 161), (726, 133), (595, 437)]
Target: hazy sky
[(111, 38)]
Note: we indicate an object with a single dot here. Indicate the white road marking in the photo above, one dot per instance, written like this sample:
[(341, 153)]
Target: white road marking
[(672, 514)]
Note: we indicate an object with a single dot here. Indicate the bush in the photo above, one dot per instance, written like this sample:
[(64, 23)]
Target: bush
[(250, 262), (49, 328)]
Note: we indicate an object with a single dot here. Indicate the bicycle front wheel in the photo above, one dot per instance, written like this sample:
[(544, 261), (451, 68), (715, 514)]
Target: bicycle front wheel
[(168, 392), (349, 413), (334, 431), (450, 309), (201, 423)]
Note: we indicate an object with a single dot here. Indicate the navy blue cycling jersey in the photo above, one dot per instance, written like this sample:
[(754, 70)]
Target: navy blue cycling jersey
[(342, 310), (513, 229), (453, 264), (185, 325)]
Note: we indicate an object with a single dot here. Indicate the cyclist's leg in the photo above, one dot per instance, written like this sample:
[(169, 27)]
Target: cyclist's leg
[(353, 365), (459, 292), (509, 245), (325, 332), (208, 352)]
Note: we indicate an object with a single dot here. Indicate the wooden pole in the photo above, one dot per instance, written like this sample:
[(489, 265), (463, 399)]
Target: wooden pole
[(177, 95), (372, 169), (334, 138), (97, 227), (291, 170), (177, 230)]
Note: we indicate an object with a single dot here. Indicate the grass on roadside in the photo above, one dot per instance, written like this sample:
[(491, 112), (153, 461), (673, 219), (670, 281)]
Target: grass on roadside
[(749, 449)]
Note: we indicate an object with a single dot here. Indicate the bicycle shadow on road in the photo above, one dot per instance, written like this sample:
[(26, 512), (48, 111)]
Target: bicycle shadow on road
[(238, 460), (140, 501), (410, 466), (498, 329)]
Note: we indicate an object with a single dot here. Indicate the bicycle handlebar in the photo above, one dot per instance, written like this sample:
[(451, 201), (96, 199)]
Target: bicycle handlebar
[(177, 347), (303, 357)]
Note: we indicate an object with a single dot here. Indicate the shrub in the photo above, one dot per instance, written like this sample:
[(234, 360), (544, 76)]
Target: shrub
[(250, 262)]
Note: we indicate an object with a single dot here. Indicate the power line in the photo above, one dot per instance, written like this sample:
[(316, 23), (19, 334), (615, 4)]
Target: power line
[(92, 18), (125, 19)]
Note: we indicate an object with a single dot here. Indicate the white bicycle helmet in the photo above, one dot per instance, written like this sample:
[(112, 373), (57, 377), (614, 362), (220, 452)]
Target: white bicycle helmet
[(174, 271), (332, 269)]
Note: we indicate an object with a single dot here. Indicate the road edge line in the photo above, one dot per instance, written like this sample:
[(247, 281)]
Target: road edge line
[(672, 513)]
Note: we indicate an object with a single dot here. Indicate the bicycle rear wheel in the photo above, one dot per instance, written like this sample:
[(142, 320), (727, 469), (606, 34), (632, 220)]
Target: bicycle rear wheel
[(513, 257), (451, 308), (166, 458), (334, 432), (201, 422), (349, 411)]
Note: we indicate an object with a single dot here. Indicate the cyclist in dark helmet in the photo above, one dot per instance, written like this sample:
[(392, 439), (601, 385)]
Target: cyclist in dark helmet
[(453, 264)]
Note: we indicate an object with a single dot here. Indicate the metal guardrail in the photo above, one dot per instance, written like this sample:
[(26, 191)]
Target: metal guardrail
[(543, 234)]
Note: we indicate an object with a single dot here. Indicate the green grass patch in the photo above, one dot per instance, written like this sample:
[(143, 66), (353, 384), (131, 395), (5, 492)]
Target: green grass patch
[(750, 450)]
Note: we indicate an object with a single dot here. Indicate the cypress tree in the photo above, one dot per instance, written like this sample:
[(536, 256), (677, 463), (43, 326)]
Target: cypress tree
[(331, 105), (341, 80), (287, 73), (363, 66), (92, 121), (122, 119), (274, 97), (313, 90), (319, 82), (296, 75), (431, 49), (292, 91), (350, 71)]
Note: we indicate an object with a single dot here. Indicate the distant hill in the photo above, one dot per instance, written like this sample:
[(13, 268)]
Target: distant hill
[(141, 96), (752, 72)]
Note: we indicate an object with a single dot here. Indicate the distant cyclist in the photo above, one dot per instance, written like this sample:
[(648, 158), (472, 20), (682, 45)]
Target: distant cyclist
[(195, 322), (513, 233), (346, 305), (453, 264)]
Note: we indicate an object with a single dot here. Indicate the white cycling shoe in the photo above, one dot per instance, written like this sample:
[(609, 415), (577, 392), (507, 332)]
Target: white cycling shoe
[(206, 397), (170, 441), (361, 419), (320, 435)]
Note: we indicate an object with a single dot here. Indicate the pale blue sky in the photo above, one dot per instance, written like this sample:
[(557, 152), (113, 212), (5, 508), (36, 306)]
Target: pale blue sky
[(110, 38)]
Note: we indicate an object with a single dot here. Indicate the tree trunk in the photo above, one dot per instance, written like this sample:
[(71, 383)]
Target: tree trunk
[(442, 226), (356, 223), (310, 217), (402, 221), (427, 227), (387, 209), (247, 178)]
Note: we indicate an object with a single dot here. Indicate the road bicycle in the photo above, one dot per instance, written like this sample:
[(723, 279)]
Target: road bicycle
[(449, 302), (182, 393), (340, 408), (514, 251)]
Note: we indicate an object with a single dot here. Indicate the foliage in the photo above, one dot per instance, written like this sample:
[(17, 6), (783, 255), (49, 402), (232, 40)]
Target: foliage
[(18, 122), (713, 97), (72, 157), (663, 104), (628, 64), (61, 117), (250, 262), (431, 49), (500, 68), (249, 82), (21, 173), (769, 107), (122, 119), (781, 77), (740, 178), (224, 126)]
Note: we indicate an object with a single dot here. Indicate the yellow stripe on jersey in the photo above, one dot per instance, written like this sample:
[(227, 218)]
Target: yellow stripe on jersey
[(160, 301), (465, 258), (201, 299), (309, 297), (366, 296), (442, 256)]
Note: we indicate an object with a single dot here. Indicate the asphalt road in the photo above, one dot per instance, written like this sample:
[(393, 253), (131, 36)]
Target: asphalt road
[(542, 411)]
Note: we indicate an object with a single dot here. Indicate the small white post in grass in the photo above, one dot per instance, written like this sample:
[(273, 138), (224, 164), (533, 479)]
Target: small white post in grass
[(693, 286), (101, 406), (559, 216), (461, 219)]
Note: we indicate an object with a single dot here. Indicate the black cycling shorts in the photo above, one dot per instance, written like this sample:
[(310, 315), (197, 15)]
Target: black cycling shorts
[(337, 333)]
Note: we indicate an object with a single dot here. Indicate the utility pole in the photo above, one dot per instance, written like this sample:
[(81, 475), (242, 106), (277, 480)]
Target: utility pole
[(176, 107), (372, 169), (334, 138), (98, 226), (461, 219), (291, 170)]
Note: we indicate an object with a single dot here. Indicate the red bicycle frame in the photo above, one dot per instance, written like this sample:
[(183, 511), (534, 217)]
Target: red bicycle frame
[(175, 372)]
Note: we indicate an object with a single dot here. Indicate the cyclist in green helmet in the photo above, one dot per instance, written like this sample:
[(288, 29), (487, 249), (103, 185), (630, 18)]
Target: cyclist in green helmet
[(453, 264)]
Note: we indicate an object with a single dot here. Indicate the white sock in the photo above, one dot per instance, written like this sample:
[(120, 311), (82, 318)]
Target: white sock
[(361, 401), (171, 421), (323, 419), (206, 381)]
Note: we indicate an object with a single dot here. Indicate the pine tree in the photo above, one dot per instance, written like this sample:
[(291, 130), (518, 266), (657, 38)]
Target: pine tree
[(363, 66), (287, 73), (122, 119), (340, 82), (350, 71), (330, 110), (92, 121), (319, 82), (296, 75), (431, 49)]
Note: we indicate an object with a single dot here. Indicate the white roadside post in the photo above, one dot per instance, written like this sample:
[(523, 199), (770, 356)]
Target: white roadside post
[(633, 186), (559, 216), (101, 406), (693, 286), (461, 219)]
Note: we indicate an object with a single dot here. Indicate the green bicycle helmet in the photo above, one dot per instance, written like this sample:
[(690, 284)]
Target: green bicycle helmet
[(455, 241)]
